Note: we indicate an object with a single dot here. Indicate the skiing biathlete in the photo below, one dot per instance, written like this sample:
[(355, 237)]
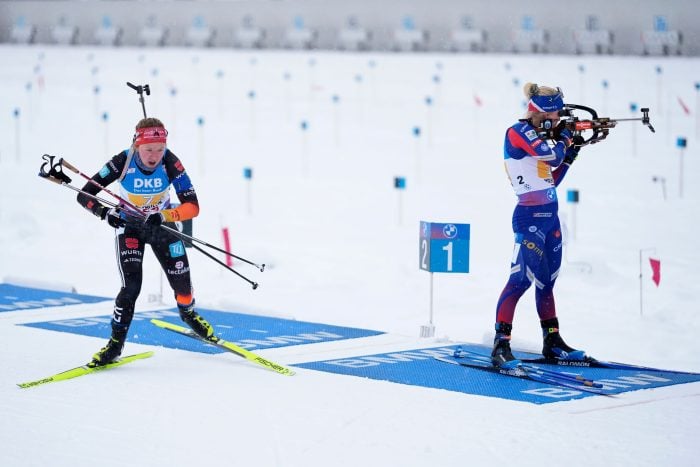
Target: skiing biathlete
[(145, 173), (529, 161)]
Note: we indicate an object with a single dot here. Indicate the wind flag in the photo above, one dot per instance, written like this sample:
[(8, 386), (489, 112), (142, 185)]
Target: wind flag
[(655, 270), (477, 101)]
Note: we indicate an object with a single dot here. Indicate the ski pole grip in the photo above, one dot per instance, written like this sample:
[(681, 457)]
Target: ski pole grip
[(51, 179), (68, 165)]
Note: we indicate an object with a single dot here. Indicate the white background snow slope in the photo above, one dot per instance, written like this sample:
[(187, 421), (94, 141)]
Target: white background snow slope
[(341, 246)]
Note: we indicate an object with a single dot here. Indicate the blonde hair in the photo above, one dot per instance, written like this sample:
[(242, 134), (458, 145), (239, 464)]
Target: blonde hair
[(533, 89)]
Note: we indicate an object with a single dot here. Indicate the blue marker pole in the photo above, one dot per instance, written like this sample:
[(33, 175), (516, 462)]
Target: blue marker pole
[(200, 124), (251, 100), (437, 81), (681, 143), (96, 100), (336, 119), (173, 107), (105, 119), (400, 185), (195, 71), (220, 91), (312, 79), (572, 198), (253, 62), (248, 176), (287, 77), (416, 136), (372, 64), (30, 107), (633, 110), (659, 86), (16, 114), (429, 119), (360, 98), (304, 148), (582, 82), (605, 86), (94, 70), (155, 85)]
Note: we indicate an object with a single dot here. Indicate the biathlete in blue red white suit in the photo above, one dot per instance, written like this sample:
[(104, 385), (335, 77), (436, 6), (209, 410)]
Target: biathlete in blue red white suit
[(145, 172), (535, 170)]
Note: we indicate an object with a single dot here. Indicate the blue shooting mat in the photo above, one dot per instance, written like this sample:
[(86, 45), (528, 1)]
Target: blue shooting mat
[(15, 298), (420, 368), (251, 332)]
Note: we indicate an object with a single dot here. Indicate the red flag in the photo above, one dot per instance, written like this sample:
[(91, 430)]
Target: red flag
[(686, 109), (227, 246), (477, 101), (656, 270)]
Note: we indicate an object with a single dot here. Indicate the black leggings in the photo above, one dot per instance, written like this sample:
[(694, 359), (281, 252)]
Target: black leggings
[(171, 254)]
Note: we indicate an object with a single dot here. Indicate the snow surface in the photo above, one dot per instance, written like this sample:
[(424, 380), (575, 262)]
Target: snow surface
[(341, 245)]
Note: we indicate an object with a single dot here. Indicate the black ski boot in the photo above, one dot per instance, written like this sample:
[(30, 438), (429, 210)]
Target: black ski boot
[(501, 355), (554, 347), (198, 324), (111, 351)]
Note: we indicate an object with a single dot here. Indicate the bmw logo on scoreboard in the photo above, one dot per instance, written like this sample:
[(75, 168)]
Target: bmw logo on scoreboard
[(444, 247)]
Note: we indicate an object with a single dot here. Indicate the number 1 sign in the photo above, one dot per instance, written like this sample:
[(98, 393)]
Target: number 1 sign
[(444, 247)]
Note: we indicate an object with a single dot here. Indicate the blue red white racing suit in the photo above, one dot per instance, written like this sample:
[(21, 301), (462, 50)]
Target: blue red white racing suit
[(535, 170)]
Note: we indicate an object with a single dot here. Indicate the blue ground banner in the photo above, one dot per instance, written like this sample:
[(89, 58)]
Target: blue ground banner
[(14, 298), (248, 331), (420, 368)]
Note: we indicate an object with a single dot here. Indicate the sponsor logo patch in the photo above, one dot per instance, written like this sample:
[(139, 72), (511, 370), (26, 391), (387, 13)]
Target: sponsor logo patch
[(177, 249), (131, 242)]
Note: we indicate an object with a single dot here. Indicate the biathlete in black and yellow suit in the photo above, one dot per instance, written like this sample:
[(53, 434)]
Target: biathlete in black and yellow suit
[(145, 173)]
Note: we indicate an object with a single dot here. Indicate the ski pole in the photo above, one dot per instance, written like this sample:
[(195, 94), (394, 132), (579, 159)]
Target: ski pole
[(208, 255), (78, 190), (57, 176), (202, 242), (64, 163), (62, 179), (65, 181)]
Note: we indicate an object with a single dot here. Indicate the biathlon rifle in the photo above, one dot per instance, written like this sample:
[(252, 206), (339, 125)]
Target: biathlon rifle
[(599, 127)]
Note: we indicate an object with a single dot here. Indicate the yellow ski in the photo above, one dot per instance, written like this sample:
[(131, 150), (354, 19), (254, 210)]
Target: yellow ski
[(226, 345), (84, 370)]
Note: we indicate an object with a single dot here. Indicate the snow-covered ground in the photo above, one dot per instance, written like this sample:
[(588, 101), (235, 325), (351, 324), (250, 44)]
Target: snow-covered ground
[(341, 245)]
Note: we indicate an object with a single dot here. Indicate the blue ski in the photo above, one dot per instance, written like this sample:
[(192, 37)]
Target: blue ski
[(590, 362), (522, 370)]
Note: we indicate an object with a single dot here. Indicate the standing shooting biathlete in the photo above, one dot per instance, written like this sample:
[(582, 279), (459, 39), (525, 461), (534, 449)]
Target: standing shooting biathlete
[(145, 172), (535, 170)]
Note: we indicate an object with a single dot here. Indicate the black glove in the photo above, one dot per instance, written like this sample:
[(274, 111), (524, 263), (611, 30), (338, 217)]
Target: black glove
[(112, 216), (153, 221), (556, 131), (572, 151)]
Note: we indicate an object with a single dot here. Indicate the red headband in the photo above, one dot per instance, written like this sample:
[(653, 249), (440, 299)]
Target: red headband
[(150, 135)]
